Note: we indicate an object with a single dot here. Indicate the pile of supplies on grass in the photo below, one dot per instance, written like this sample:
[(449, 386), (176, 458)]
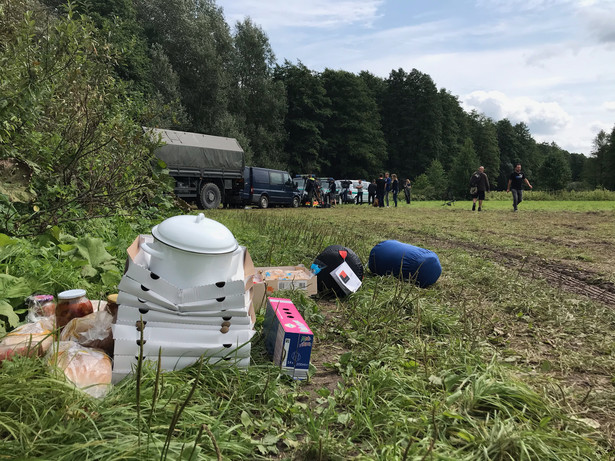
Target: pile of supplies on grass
[(186, 293)]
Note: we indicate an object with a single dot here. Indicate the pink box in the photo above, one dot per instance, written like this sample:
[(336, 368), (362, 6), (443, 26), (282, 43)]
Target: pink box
[(288, 338)]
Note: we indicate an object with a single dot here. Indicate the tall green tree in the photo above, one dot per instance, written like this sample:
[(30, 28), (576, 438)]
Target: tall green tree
[(529, 155), (258, 102), (510, 149), (437, 179), (554, 173), (597, 165), (354, 142), (308, 109), (198, 43), (70, 120), (464, 165), (455, 127), (412, 121), (577, 165), (485, 142)]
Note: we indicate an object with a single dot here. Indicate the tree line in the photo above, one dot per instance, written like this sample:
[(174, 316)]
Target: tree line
[(80, 79)]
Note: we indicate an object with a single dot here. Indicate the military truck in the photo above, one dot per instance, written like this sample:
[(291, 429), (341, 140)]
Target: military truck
[(208, 169)]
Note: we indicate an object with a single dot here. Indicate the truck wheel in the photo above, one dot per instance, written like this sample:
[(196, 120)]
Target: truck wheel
[(210, 197), (296, 201), (263, 202)]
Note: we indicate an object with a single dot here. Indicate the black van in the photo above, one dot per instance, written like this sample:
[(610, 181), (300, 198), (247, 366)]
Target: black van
[(265, 187)]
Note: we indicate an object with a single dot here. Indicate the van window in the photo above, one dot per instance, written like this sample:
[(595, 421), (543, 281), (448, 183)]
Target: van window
[(276, 178), (260, 176)]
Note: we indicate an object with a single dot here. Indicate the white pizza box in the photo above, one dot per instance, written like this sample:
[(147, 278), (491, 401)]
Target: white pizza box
[(128, 315), (132, 333), (137, 265), (124, 365), (193, 326), (144, 306), (135, 288), (168, 349)]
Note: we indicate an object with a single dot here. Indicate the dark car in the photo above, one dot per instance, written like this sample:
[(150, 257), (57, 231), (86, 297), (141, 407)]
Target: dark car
[(265, 187)]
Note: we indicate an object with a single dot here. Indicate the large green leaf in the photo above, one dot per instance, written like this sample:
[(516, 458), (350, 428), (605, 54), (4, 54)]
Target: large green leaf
[(6, 240), (7, 310), (14, 287), (93, 249)]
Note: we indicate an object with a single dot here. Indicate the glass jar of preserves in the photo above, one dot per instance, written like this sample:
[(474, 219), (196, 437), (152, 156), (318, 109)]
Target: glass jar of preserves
[(72, 304)]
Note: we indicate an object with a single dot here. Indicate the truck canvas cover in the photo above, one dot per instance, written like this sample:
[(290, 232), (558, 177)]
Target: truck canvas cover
[(195, 150)]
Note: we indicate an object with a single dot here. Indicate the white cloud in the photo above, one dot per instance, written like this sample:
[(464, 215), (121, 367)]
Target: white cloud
[(609, 105), (541, 117), (599, 18), (320, 14)]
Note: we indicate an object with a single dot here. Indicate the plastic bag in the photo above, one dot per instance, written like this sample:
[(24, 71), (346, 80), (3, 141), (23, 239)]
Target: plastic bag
[(92, 330), (40, 306), (87, 368), (29, 339)]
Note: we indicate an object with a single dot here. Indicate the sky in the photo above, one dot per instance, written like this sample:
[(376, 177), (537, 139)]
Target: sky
[(547, 63)]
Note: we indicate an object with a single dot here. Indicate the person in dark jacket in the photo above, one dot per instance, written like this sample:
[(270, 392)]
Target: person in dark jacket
[(381, 185), (387, 189), (309, 189), (479, 184), (395, 188), (408, 190), (345, 189), (371, 192), (332, 192)]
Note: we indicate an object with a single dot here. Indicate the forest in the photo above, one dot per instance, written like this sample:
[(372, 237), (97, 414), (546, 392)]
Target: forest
[(79, 80)]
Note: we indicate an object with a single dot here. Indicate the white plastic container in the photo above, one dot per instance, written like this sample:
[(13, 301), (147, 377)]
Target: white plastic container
[(190, 251)]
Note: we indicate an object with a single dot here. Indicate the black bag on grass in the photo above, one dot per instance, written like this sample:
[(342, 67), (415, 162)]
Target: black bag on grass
[(327, 262)]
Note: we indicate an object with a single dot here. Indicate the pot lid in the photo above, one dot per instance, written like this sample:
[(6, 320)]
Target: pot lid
[(196, 234)]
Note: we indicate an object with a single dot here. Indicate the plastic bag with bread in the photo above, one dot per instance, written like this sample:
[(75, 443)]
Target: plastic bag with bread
[(87, 368), (29, 339)]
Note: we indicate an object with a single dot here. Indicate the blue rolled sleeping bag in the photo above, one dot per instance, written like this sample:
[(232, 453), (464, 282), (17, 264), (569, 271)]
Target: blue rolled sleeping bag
[(391, 257)]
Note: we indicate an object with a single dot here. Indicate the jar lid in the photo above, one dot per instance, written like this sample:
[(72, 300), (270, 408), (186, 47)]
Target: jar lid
[(71, 294), (112, 298), (196, 234)]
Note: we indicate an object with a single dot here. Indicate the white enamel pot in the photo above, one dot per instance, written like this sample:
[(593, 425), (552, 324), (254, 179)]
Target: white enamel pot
[(191, 251)]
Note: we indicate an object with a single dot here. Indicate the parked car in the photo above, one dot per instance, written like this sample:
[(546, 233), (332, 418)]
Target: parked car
[(266, 187)]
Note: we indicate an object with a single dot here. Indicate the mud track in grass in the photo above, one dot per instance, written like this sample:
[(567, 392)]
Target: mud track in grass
[(560, 274)]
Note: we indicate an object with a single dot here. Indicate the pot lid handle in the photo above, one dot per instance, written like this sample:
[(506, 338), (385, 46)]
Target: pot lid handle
[(200, 218)]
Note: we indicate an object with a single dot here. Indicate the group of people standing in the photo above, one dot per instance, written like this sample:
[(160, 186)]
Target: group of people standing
[(380, 189), (479, 184)]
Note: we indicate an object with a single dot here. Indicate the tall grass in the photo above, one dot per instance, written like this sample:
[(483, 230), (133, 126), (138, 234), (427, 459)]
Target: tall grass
[(456, 371), (596, 195)]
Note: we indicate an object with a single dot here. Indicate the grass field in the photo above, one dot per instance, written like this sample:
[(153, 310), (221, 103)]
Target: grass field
[(509, 356)]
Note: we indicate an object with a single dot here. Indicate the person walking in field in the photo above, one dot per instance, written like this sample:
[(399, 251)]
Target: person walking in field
[(479, 184), (515, 184), (395, 188), (371, 192), (407, 190)]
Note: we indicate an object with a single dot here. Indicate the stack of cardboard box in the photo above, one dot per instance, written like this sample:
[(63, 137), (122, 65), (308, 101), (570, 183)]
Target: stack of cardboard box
[(214, 321)]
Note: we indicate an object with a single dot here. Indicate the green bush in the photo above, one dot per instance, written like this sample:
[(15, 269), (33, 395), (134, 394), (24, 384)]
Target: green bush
[(70, 121)]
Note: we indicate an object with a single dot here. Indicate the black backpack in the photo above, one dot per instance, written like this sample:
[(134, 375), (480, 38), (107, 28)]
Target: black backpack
[(475, 179)]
